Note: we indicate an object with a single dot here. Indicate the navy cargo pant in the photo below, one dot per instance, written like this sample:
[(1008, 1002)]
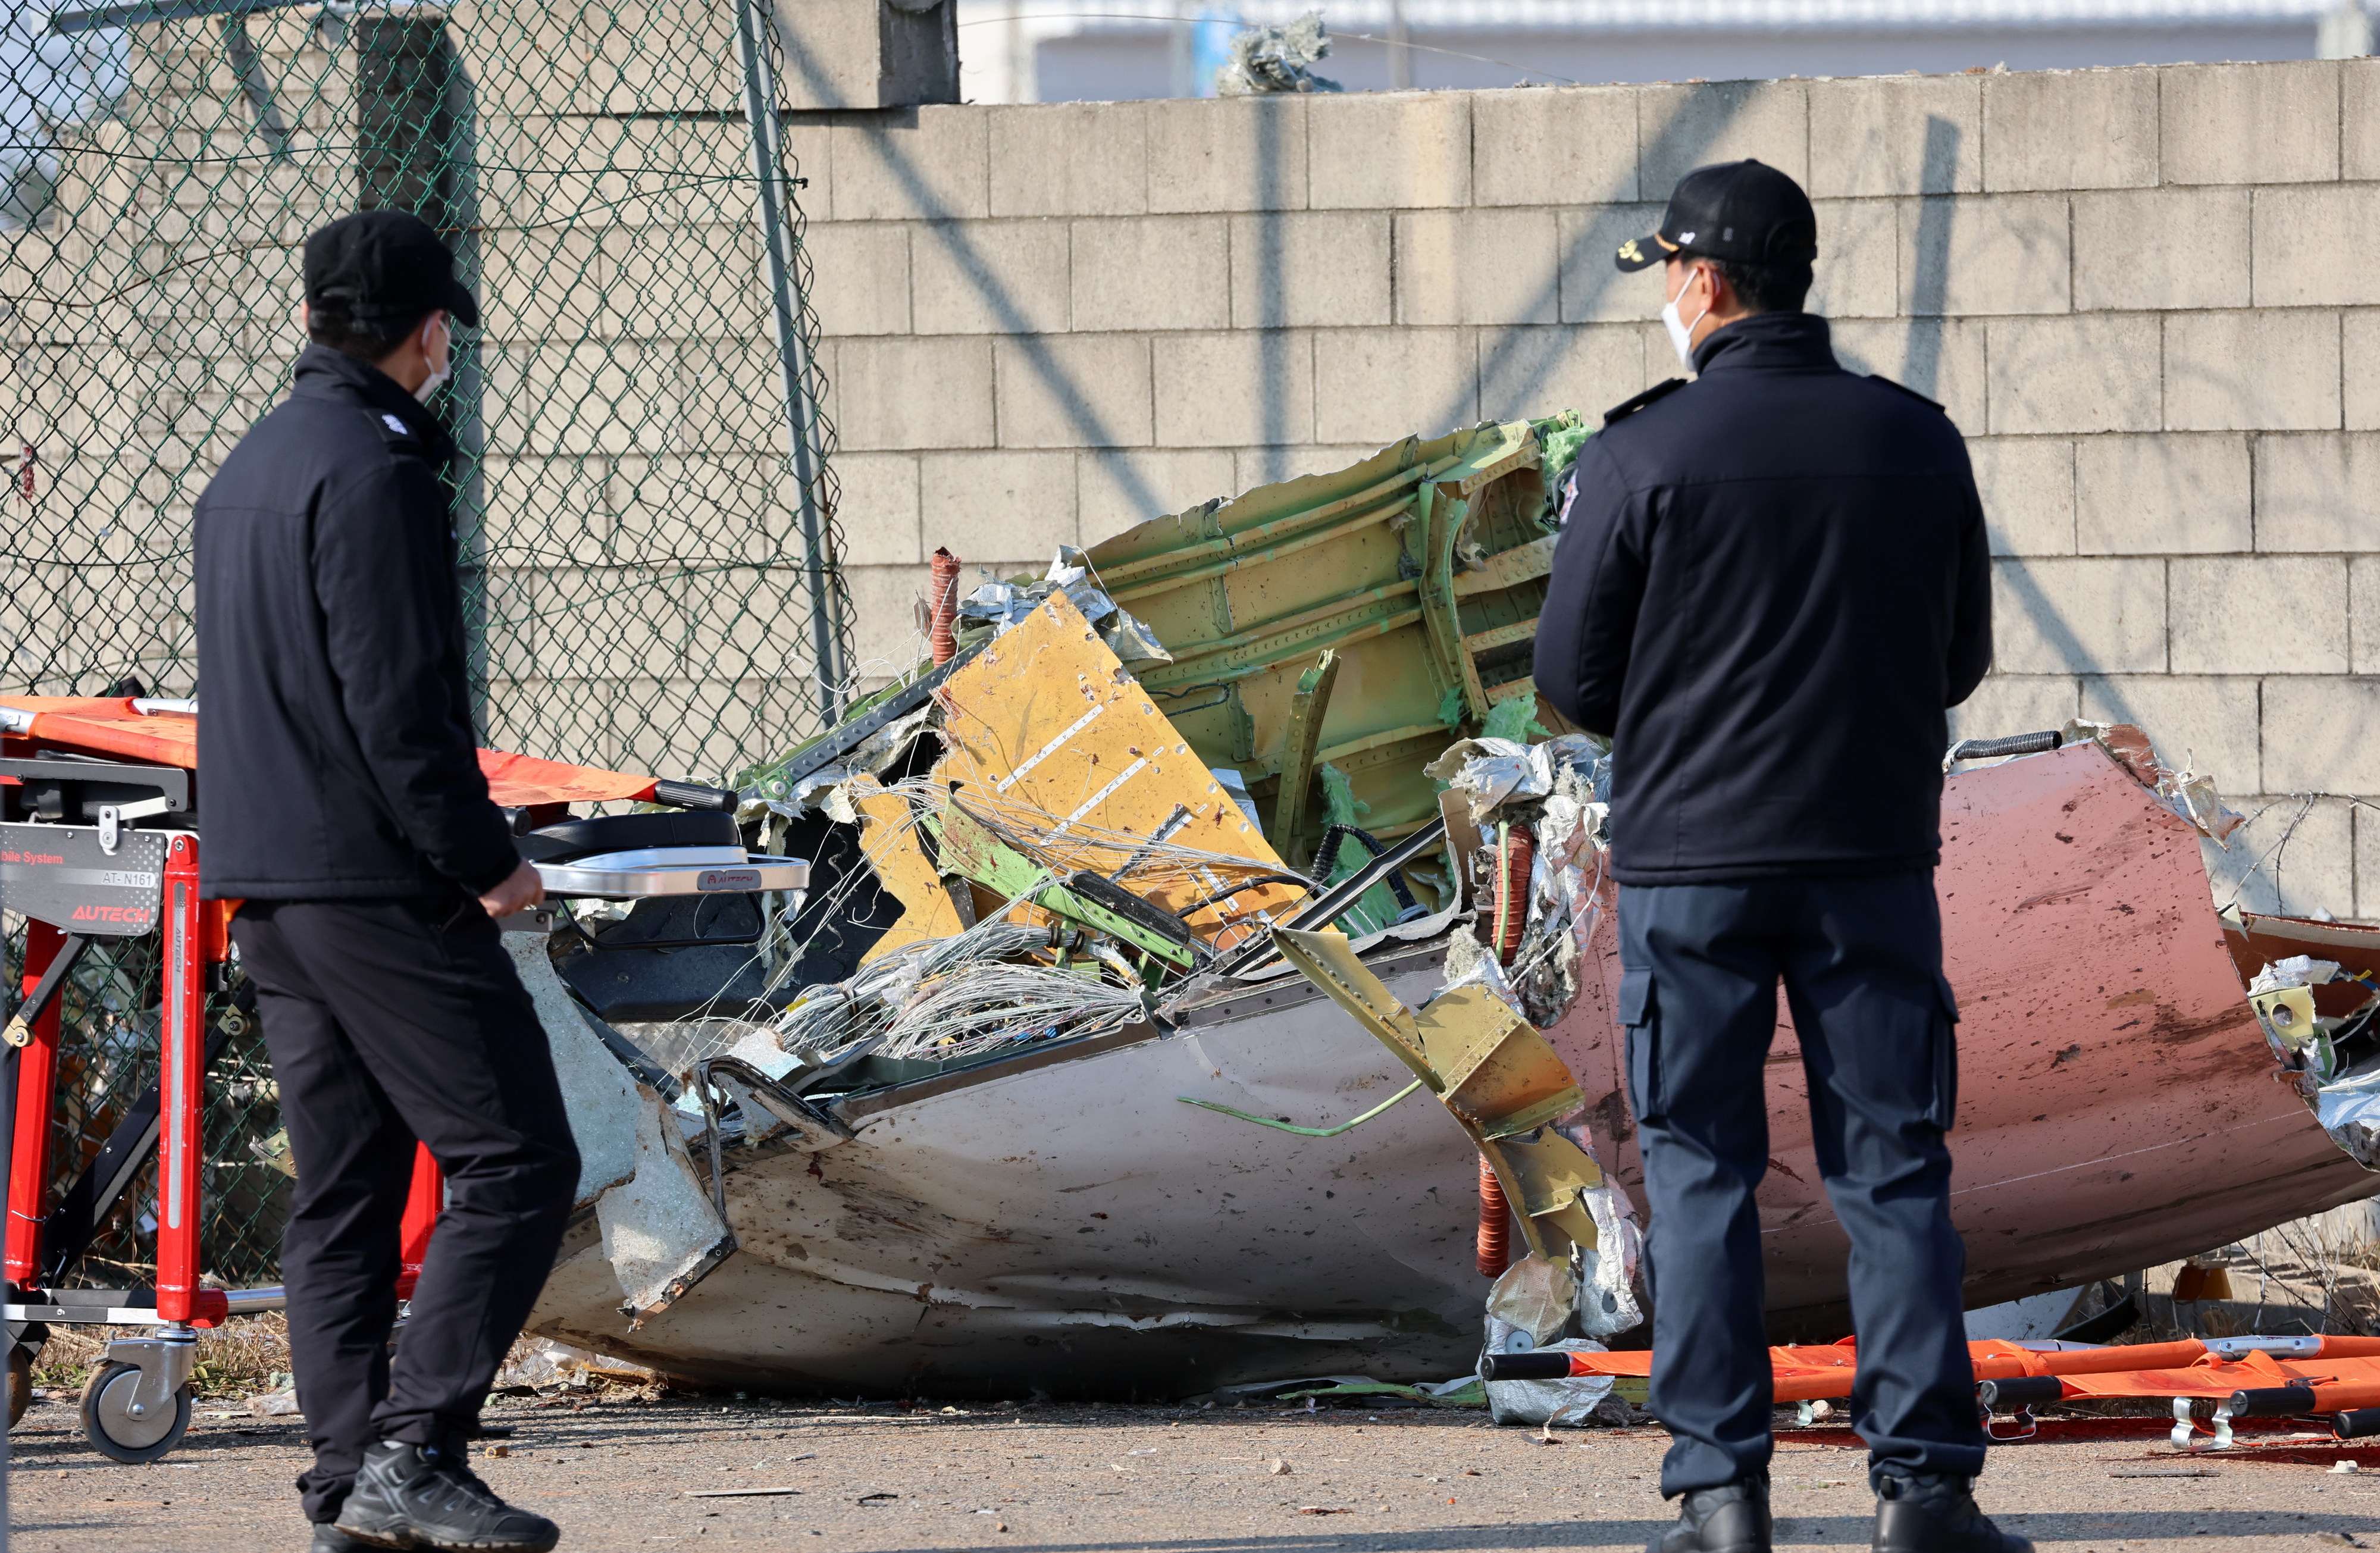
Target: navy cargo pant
[(389, 1021), (1861, 960)]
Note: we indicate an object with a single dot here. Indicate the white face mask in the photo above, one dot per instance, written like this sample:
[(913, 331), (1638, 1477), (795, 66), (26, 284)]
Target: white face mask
[(437, 375), (1681, 333)]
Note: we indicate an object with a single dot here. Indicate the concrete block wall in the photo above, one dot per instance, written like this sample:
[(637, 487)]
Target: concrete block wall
[(2142, 294)]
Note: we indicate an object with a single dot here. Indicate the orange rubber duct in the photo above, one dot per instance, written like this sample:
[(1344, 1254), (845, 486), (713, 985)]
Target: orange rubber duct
[(1504, 913), (942, 635), (1495, 1225)]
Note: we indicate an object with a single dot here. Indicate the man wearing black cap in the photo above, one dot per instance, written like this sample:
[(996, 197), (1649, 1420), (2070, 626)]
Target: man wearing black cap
[(1771, 584), (344, 804)]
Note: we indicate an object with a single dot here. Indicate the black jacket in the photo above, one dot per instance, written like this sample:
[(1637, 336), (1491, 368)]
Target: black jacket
[(1771, 583), (335, 754)]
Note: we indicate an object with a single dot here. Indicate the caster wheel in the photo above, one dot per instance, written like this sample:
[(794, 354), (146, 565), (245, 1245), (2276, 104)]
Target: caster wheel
[(20, 1383), (109, 1423)]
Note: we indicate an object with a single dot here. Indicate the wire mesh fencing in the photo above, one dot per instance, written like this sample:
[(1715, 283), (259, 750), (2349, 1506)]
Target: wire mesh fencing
[(644, 506)]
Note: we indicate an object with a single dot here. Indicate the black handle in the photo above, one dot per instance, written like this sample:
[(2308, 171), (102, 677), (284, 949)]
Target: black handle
[(2273, 1402), (693, 796), (2019, 1390), (2015, 744), (1552, 1365), (2360, 1423)]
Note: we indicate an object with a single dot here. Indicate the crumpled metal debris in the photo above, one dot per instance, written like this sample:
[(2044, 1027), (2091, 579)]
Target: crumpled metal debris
[(1006, 605), (1270, 59), (1571, 1402)]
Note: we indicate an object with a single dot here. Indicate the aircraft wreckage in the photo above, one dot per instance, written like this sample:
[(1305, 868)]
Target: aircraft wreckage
[(1089, 1055), (1177, 861)]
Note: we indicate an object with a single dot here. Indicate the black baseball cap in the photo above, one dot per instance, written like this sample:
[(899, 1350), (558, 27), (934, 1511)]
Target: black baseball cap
[(1744, 210), (383, 267)]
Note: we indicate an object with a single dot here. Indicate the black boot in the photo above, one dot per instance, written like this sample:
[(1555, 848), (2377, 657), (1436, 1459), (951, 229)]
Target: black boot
[(1936, 1512), (422, 1496), (1732, 1518), (328, 1538)]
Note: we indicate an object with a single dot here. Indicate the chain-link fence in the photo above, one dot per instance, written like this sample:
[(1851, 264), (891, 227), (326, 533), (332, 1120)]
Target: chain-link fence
[(644, 506)]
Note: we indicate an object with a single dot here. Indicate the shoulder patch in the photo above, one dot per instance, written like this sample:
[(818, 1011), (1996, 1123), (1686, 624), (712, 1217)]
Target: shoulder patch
[(393, 424), (1904, 388), (1627, 408)]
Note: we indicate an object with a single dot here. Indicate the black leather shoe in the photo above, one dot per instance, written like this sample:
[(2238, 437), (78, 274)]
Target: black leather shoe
[(328, 1538), (1732, 1518), (420, 1495), (1935, 1512)]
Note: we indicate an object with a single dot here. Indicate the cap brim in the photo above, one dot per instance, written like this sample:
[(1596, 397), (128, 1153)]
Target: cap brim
[(1642, 253), (464, 307)]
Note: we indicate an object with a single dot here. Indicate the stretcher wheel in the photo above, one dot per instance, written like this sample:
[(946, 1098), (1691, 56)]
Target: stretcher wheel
[(20, 1382), (109, 1423)]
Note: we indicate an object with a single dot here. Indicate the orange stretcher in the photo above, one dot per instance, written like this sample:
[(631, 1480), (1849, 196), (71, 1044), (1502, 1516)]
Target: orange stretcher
[(166, 734), (2244, 1378)]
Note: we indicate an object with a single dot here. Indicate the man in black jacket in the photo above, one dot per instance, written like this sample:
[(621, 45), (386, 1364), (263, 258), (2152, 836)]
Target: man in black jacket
[(1770, 585), (343, 802)]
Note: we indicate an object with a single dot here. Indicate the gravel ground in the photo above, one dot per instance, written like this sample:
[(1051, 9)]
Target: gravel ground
[(1057, 1479)]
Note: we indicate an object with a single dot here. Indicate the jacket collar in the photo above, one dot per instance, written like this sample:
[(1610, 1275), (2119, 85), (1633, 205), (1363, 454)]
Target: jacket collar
[(325, 373), (1774, 342)]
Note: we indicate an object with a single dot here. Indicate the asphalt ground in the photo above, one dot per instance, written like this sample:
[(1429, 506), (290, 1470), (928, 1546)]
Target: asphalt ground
[(1064, 1479)]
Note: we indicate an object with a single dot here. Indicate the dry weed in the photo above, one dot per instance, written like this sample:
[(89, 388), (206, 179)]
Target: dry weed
[(235, 1359)]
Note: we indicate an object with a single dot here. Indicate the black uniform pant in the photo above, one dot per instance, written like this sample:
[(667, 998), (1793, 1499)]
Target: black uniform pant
[(1860, 961), (389, 1021)]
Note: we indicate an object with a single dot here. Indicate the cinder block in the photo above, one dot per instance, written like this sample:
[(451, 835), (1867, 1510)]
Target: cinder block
[(2269, 122), (1069, 159), (998, 506), (1538, 146), (539, 286), (928, 163), (578, 400), (2258, 614), (2203, 722), (2162, 496), (2082, 372), (893, 393), (2359, 121), (1074, 391), (1117, 489), (732, 397), (1984, 255), (2363, 617), (1310, 269), (878, 514), (1476, 266), (884, 634), (1896, 135), (2007, 704), (1401, 151), (2322, 735), (1940, 357), (2139, 249), (1535, 372), (1857, 268), (1236, 154), (1231, 390), (2297, 229), (1167, 272), (989, 277), (1269, 465), (860, 277), (2078, 615), (2293, 858), (2359, 354), (2027, 484), (2317, 493), (1682, 127), (1594, 290), (1377, 385), (2266, 370), (2071, 130)]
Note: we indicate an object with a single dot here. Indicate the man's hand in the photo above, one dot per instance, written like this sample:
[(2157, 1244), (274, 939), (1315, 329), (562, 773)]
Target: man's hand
[(521, 890)]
